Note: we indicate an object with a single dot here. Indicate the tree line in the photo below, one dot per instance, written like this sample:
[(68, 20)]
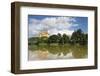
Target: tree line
[(77, 37)]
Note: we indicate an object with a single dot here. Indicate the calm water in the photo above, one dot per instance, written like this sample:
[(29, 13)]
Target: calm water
[(45, 52)]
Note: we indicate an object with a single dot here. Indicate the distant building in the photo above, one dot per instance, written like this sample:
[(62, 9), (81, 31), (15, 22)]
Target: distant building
[(44, 34)]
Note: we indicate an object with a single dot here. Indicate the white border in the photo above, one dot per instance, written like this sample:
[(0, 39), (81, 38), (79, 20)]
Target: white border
[(25, 64)]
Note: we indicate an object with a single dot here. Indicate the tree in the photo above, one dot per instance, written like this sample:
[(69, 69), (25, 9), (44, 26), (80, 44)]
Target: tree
[(73, 37), (65, 38), (43, 39), (84, 39), (60, 40), (78, 37), (33, 40), (53, 39), (59, 35)]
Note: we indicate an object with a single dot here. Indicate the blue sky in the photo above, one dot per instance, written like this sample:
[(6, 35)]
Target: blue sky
[(56, 24)]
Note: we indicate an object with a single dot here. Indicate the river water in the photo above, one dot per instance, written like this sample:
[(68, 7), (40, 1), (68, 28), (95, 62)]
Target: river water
[(45, 52)]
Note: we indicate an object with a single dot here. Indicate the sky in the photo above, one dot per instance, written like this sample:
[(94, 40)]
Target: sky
[(55, 24)]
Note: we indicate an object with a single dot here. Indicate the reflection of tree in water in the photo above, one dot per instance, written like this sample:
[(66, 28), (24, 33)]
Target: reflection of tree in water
[(56, 49), (77, 50)]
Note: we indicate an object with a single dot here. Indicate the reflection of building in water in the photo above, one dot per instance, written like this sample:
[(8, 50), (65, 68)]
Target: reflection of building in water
[(42, 54), (44, 34)]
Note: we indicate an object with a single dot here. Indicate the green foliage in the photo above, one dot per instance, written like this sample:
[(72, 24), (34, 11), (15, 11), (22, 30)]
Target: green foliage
[(43, 39), (53, 39), (78, 37), (33, 40), (65, 38)]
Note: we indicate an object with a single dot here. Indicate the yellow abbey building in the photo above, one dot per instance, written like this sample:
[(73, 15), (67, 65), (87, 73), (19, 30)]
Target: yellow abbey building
[(44, 34)]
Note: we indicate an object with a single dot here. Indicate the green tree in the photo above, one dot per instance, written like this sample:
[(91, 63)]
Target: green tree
[(65, 38), (53, 39), (33, 40), (78, 37), (60, 40), (59, 35), (73, 37), (43, 39), (84, 39)]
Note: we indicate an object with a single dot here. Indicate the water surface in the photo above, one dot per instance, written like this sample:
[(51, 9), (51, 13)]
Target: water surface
[(51, 52)]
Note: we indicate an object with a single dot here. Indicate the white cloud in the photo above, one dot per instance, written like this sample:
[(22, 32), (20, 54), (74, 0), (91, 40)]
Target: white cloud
[(53, 25), (55, 31)]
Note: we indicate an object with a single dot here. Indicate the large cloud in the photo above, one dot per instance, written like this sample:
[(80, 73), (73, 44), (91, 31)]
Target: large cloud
[(53, 25)]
